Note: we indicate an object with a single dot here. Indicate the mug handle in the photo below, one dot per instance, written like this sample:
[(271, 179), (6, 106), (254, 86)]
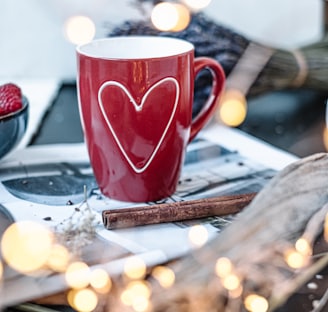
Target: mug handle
[(201, 63)]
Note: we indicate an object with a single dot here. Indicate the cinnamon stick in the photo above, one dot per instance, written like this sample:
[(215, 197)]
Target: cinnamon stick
[(170, 212)]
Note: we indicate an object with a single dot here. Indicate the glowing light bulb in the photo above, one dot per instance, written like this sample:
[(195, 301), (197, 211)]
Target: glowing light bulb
[(164, 16), (256, 303), (26, 246), (223, 267), (136, 294), (79, 29), (135, 268), (140, 289), (100, 281), (58, 258), (303, 246), (233, 108), (164, 275), (78, 275), (183, 17), (198, 235), (140, 304), (294, 259), (83, 300), (197, 5), (231, 282), (325, 138)]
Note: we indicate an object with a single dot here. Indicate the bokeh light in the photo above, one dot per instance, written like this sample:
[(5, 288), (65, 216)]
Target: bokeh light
[(256, 303), (100, 281), (223, 267), (26, 246), (233, 108), (164, 275), (59, 258), (79, 29), (78, 275), (83, 300), (295, 259), (164, 16), (303, 246), (231, 282), (141, 304), (183, 17), (198, 235), (325, 138), (135, 268), (197, 5), (167, 16), (136, 294)]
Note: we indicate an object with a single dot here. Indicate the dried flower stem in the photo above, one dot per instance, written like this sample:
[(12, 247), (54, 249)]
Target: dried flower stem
[(79, 229)]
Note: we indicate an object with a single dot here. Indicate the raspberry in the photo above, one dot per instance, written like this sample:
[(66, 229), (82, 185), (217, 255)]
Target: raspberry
[(10, 99)]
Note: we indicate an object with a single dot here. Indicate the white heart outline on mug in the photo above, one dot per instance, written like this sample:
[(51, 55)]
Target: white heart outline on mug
[(138, 108)]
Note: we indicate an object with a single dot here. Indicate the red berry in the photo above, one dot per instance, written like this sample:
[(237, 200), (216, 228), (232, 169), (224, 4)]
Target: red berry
[(10, 99)]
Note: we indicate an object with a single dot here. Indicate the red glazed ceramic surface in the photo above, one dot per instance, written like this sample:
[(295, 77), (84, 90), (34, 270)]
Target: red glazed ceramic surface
[(136, 96)]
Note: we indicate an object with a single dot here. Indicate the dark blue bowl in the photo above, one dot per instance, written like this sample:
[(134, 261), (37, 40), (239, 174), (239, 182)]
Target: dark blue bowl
[(12, 128)]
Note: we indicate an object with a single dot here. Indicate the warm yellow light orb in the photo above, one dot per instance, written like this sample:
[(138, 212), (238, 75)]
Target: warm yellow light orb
[(140, 304), (294, 259), (58, 258), (233, 108), (223, 267), (26, 246), (303, 246), (198, 235), (183, 17), (231, 282), (79, 29), (83, 300), (164, 275), (197, 5), (164, 16), (325, 138), (70, 297), (136, 293), (78, 275), (135, 268), (140, 289), (100, 281), (256, 303)]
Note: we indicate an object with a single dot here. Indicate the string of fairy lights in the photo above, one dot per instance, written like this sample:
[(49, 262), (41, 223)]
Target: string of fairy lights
[(32, 249)]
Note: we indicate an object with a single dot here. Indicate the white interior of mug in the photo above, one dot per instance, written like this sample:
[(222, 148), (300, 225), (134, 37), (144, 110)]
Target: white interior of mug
[(135, 47)]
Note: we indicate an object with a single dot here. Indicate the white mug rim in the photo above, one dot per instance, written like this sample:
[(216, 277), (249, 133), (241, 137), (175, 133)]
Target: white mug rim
[(134, 47)]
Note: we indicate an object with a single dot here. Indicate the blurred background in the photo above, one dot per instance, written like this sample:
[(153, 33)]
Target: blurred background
[(38, 40), (34, 41)]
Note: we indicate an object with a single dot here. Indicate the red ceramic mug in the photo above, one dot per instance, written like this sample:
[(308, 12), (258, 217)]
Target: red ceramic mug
[(136, 97)]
